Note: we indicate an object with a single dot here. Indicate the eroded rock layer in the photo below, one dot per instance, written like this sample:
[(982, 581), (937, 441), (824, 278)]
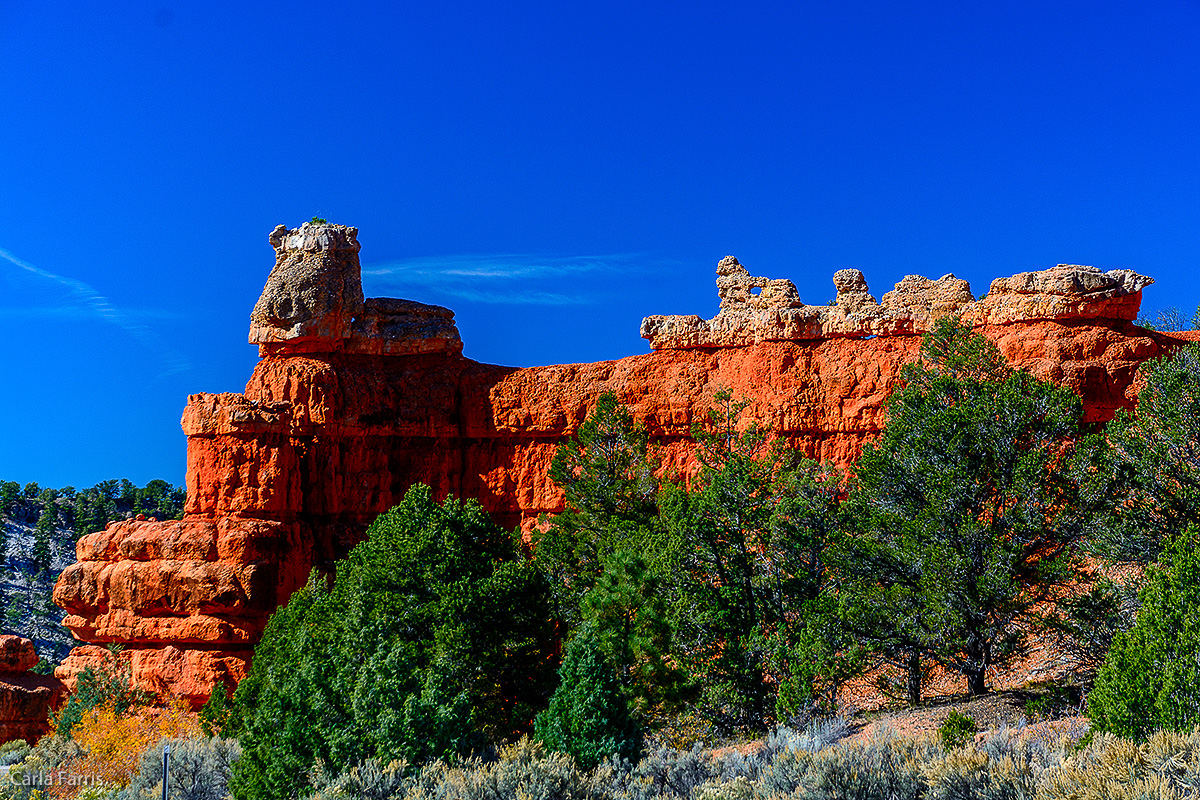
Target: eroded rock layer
[(354, 400), (26, 698)]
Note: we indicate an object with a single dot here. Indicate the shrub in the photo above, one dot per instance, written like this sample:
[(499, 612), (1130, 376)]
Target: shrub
[(1001, 769), (14, 752), (523, 771), (111, 685), (589, 715), (1151, 678), (199, 769), (887, 766), (113, 743), (957, 730), (370, 780), (666, 773), (1165, 767)]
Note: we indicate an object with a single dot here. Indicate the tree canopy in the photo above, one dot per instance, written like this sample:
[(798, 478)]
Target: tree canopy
[(970, 508), (430, 643)]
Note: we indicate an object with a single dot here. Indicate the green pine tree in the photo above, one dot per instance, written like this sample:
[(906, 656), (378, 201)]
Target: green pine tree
[(10, 492), (44, 533), (744, 553), (629, 621), (1156, 455), (610, 493)]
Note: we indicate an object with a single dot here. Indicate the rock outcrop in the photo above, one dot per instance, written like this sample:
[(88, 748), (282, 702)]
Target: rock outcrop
[(755, 310), (26, 698), (353, 401)]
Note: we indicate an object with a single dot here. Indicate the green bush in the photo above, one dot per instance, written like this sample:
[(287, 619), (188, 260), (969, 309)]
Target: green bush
[(1151, 678), (94, 688), (589, 715), (957, 730), (431, 643)]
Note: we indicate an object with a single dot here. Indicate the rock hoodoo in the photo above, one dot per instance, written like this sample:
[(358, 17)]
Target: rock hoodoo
[(26, 698), (755, 310), (354, 400)]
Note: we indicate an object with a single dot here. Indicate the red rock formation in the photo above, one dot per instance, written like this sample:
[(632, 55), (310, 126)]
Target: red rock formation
[(26, 698), (351, 404)]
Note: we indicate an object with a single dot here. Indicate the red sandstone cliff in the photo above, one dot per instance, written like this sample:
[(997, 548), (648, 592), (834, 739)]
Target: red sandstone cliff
[(355, 400)]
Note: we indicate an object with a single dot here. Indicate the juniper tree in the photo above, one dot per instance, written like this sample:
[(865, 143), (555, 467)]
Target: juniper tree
[(745, 546), (1156, 456), (969, 510), (589, 715), (1151, 677), (432, 642)]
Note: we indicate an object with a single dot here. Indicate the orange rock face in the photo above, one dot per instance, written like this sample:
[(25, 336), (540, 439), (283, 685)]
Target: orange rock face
[(333, 428), (26, 698)]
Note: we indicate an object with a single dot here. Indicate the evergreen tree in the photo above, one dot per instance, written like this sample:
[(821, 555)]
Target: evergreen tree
[(589, 715), (431, 643), (610, 491), (970, 509), (216, 715), (629, 623), (95, 507), (1151, 677), (10, 493), (160, 499), (745, 553), (1156, 455), (44, 532)]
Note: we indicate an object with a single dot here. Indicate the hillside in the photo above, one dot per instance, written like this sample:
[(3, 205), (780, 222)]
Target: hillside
[(38, 531)]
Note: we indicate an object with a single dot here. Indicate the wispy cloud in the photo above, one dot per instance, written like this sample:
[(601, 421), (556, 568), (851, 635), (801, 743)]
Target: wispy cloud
[(83, 300), (511, 278)]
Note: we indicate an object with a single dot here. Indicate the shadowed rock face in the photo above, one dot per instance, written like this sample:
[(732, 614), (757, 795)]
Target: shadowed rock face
[(26, 699), (339, 421)]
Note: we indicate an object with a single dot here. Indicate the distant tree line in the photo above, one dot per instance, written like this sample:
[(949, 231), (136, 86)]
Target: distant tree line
[(38, 531)]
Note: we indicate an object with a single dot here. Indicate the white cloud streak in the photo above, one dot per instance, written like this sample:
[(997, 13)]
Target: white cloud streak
[(85, 300), (501, 278)]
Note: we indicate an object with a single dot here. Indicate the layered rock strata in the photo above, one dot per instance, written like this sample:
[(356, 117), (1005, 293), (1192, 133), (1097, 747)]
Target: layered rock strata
[(354, 400), (26, 698)]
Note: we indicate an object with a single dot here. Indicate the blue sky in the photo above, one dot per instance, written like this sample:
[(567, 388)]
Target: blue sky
[(551, 171)]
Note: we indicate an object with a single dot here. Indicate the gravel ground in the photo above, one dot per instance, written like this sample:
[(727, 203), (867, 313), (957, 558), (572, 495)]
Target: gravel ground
[(990, 712)]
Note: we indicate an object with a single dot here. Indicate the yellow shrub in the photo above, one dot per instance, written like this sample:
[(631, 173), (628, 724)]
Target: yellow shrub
[(113, 743)]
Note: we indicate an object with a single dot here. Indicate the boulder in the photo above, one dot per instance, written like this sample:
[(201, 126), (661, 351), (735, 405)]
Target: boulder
[(26, 698)]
